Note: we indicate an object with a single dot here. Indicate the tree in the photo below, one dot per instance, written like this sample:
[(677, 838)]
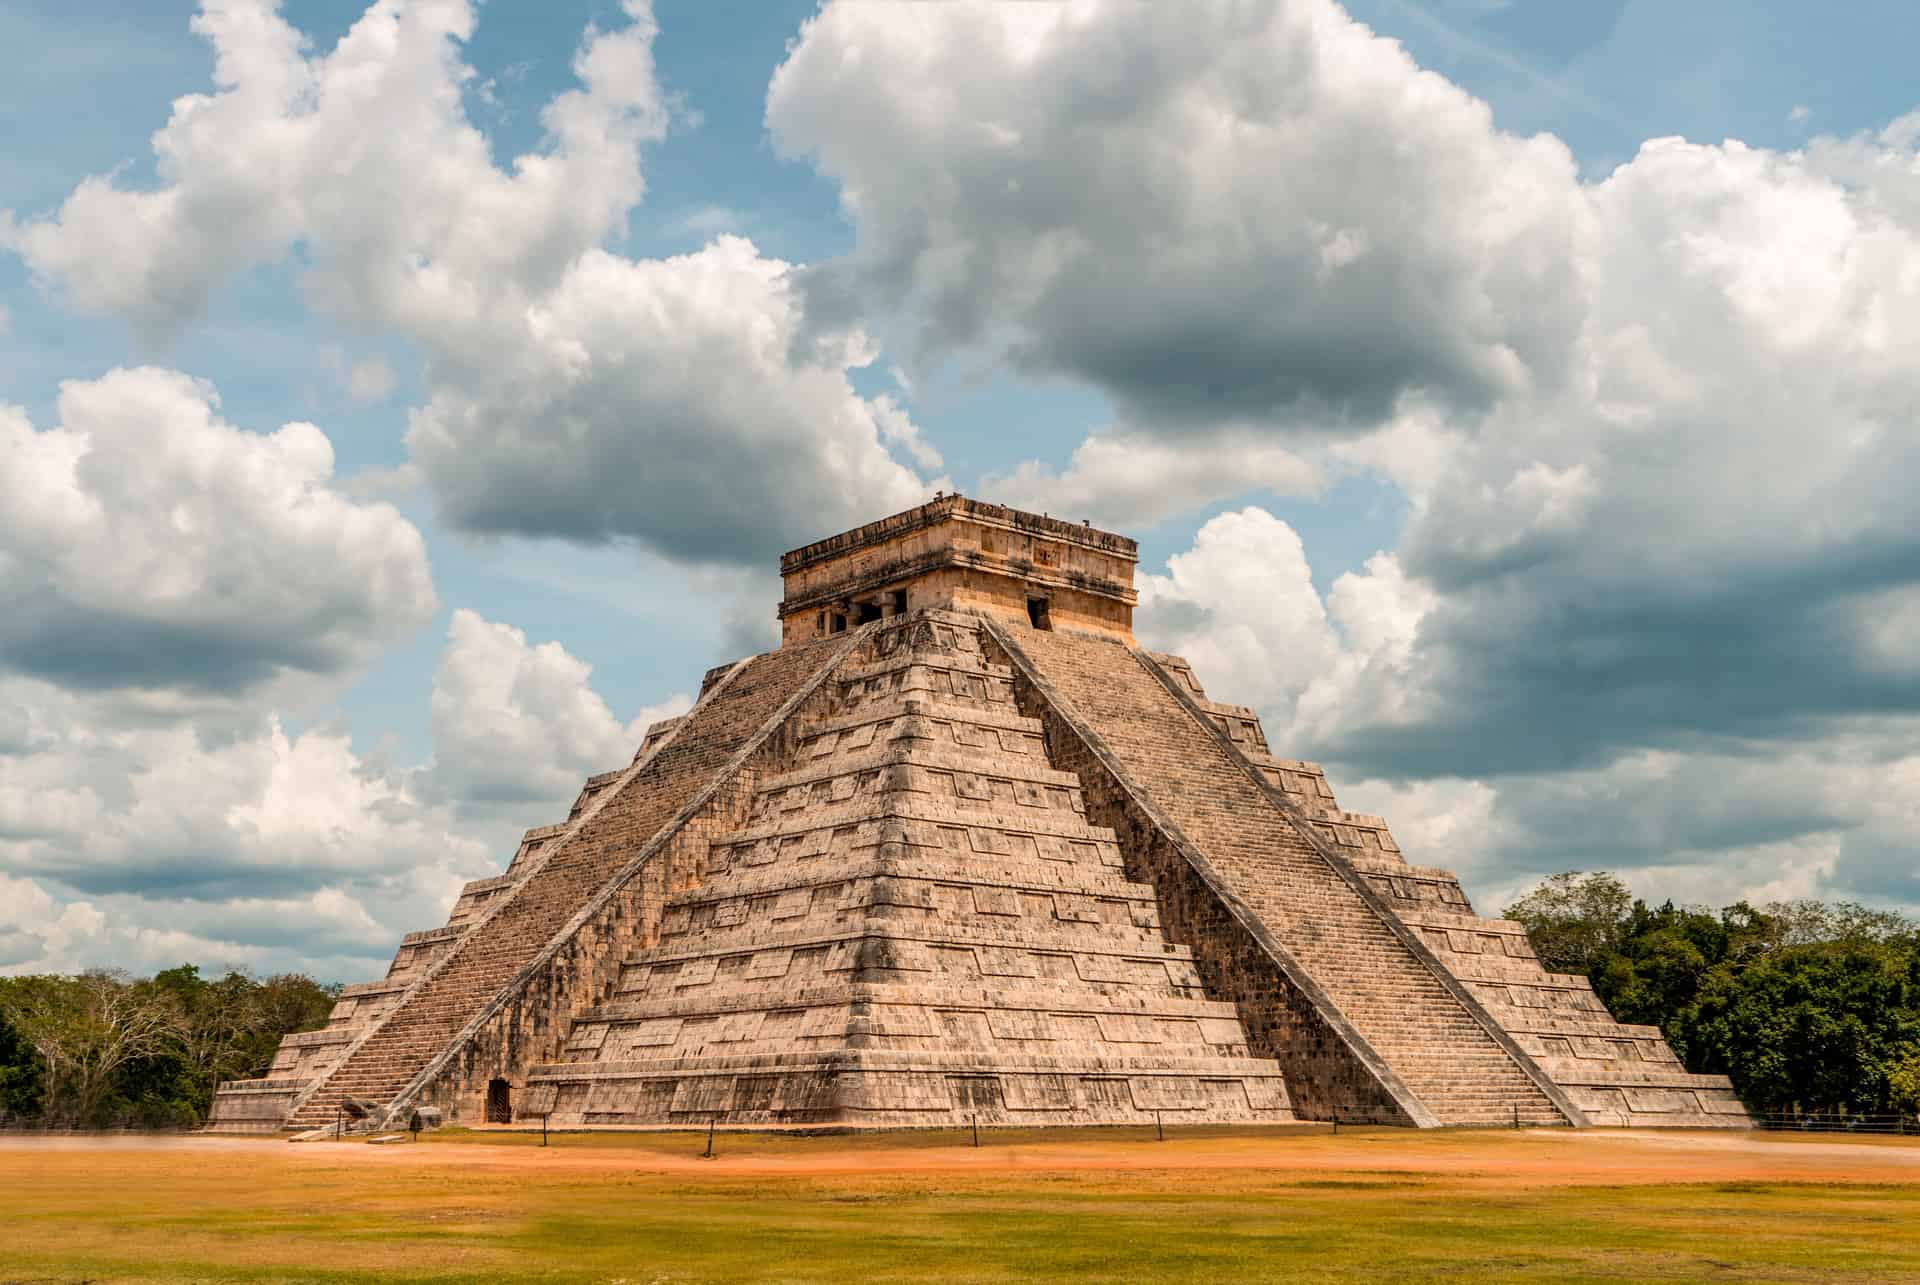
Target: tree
[(102, 1049), (20, 1075), (289, 1002), (1663, 955), (1804, 923), (1828, 1026), (1903, 1082), (1804, 1005), (214, 1020), (85, 1029), (1574, 919), (225, 1029)]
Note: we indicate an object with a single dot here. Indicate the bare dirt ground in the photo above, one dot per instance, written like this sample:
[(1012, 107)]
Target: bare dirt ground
[(1534, 1157)]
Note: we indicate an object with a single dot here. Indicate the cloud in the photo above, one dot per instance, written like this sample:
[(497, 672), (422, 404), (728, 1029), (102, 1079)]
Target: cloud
[(1240, 604), (370, 380), (1707, 534), (1831, 818), (143, 843), (1215, 213), (330, 935), (106, 804), (397, 215), (1655, 430), (664, 401), (366, 382), (131, 841), (571, 391), (151, 545), (709, 220), (516, 725), (1830, 814), (1130, 481)]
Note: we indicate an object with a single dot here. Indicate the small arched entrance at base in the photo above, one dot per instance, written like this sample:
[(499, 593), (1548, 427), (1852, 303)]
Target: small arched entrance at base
[(499, 1102)]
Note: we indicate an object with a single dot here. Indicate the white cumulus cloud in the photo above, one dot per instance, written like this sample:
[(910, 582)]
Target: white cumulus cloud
[(516, 725), (1126, 481), (364, 156), (572, 391), (146, 843), (1214, 212), (673, 401), (131, 841), (149, 544)]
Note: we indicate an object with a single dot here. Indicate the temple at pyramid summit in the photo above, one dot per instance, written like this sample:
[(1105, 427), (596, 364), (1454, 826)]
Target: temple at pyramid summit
[(960, 849)]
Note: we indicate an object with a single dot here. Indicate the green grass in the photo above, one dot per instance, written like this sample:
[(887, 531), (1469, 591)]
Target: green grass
[(637, 1208)]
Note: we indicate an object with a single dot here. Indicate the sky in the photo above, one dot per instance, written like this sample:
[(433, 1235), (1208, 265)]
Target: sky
[(402, 404)]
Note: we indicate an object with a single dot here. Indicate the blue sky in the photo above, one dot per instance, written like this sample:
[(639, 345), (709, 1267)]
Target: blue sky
[(1471, 595)]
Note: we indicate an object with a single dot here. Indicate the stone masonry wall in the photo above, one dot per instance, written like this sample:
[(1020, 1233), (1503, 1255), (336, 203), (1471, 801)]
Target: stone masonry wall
[(532, 1027), (1410, 1023), (420, 1036), (915, 926), (1322, 1074)]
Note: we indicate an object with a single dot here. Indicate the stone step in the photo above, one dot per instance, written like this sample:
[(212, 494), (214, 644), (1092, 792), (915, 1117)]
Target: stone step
[(1373, 979), (623, 816)]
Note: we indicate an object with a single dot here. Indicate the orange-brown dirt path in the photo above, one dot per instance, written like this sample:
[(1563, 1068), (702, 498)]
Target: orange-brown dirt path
[(1526, 1158)]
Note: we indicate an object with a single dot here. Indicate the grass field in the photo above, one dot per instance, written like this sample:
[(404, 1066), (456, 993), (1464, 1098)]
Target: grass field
[(1368, 1205)]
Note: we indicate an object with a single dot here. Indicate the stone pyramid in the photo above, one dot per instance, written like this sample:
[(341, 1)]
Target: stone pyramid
[(960, 850), (915, 922)]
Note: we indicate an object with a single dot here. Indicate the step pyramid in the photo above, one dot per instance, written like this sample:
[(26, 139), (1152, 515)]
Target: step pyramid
[(916, 925), (961, 851)]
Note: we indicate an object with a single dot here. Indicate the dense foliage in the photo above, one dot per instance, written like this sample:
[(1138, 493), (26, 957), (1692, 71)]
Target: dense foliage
[(1807, 1006), (102, 1049)]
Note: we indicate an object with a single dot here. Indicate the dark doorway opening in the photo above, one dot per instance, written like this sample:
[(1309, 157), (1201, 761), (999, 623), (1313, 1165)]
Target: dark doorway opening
[(1037, 613), (866, 613), (499, 1102)]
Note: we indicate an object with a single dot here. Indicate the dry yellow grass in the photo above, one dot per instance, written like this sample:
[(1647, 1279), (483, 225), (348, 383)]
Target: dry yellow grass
[(1108, 1204)]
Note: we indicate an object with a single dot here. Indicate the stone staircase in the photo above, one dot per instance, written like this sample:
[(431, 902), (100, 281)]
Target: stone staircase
[(913, 925), (1613, 1073), (607, 833), (1444, 1053)]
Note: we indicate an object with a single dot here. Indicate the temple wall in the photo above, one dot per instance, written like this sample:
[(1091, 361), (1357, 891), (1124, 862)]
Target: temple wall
[(1322, 1074), (964, 555), (1613, 1072), (533, 1026)]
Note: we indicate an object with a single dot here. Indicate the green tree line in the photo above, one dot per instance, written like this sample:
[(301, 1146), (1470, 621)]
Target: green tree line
[(1807, 1006), (106, 1050)]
